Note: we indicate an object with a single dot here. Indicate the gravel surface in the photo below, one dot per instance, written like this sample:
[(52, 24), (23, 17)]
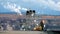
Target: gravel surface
[(22, 32)]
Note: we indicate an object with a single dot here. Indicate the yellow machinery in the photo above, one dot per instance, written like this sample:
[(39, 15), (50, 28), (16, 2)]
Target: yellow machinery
[(39, 27)]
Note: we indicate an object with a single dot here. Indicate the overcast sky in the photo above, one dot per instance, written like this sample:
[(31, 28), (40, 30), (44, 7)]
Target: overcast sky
[(49, 7)]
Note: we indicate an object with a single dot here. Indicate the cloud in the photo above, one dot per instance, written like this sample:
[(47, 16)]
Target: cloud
[(46, 3), (39, 3), (41, 6), (13, 7), (24, 9), (53, 5), (8, 0)]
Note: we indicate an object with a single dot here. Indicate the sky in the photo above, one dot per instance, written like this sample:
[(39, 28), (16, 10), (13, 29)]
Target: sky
[(47, 7)]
